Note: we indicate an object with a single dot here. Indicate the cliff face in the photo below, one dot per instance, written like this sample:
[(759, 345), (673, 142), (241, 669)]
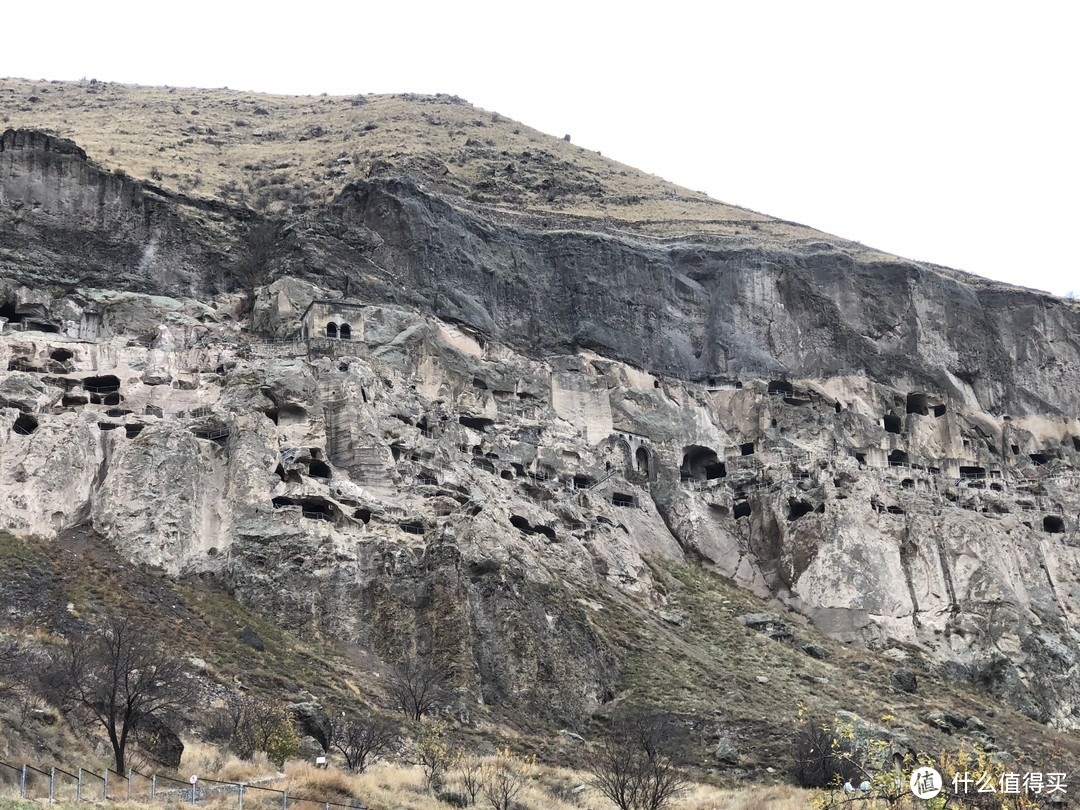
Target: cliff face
[(526, 415)]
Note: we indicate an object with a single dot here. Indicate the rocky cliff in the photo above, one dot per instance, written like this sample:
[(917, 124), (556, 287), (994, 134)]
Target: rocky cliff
[(529, 409)]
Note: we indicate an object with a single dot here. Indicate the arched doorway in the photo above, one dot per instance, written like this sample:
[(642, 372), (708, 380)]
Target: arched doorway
[(641, 460)]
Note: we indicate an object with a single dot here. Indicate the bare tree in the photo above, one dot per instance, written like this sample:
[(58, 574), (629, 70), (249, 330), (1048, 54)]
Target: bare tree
[(360, 740), (416, 687), (470, 771), (118, 676), (632, 765)]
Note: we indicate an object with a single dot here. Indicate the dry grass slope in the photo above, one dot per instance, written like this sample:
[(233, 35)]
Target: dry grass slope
[(286, 155)]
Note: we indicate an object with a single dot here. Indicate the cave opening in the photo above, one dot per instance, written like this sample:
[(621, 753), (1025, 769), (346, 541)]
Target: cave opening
[(476, 422), (521, 524), (310, 508), (133, 430), (61, 355), (582, 481), (797, 508), (426, 478), (892, 423), (939, 410), (918, 404), (641, 460), (25, 424), (363, 515), (547, 531), (1015, 448), (1053, 524), (8, 311), (697, 462), (73, 400), (1039, 459), (412, 527), (741, 509), (781, 388), (506, 475), (908, 483), (621, 499), (972, 472), (319, 469), (747, 449), (291, 415), (103, 384), (898, 458), (1076, 443), (484, 464), (717, 470)]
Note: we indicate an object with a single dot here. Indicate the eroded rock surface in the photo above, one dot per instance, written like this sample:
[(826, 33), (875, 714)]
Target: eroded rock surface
[(520, 419)]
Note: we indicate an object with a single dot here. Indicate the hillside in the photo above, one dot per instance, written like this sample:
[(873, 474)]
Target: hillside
[(389, 376), (287, 155)]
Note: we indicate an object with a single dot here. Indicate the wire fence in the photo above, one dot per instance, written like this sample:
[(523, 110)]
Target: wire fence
[(58, 785)]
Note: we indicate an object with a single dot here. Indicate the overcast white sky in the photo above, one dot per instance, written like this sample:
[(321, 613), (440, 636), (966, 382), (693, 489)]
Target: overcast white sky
[(941, 131)]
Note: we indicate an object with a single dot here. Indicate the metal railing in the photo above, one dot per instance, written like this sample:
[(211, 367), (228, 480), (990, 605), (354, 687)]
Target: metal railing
[(56, 785)]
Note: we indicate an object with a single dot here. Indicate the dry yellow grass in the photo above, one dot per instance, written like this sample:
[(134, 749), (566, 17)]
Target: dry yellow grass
[(286, 154), (389, 784), (217, 763)]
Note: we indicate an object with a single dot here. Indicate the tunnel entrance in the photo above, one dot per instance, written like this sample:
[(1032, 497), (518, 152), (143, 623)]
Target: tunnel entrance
[(701, 464), (918, 404), (319, 469), (641, 460), (1054, 524), (797, 508), (781, 388), (25, 424), (311, 508), (104, 384)]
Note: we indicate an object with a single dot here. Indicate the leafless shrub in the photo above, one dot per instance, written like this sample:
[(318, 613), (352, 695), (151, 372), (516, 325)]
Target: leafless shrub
[(416, 687), (632, 764), (362, 739)]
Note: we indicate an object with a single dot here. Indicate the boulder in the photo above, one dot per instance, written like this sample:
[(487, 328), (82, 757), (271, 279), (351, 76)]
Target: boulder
[(904, 680)]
